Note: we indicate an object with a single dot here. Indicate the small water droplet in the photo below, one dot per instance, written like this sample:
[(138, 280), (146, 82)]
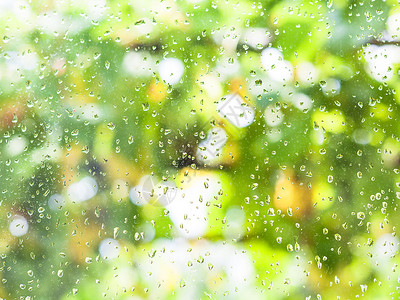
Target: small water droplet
[(360, 215), (111, 126)]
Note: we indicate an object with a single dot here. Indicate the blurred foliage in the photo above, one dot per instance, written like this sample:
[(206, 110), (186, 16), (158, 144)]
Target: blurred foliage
[(105, 101)]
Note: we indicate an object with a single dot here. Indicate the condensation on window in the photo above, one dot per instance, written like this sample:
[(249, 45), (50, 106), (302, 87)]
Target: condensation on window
[(199, 149)]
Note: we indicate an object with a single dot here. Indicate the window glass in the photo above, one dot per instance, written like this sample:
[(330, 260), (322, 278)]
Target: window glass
[(199, 149)]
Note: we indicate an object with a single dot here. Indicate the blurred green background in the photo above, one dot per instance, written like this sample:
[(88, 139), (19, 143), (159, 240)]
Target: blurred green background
[(199, 149)]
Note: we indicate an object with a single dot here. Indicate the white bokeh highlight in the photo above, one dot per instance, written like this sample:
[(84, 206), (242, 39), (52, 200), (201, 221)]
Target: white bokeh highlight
[(171, 70), (152, 190), (256, 37), (331, 86), (56, 202), (380, 61), (16, 145), (109, 249), (138, 64), (393, 26), (301, 101), (307, 73), (277, 68), (209, 150), (189, 210), (233, 108), (273, 116), (83, 190), (18, 226)]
